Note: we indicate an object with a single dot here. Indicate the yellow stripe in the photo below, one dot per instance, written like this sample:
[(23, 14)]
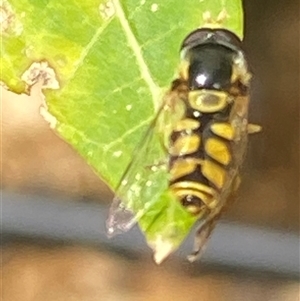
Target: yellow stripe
[(207, 194), (182, 167), (208, 101), (185, 145), (194, 209), (193, 185), (218, 150), (186, 124), (224, 130), (214, 173)]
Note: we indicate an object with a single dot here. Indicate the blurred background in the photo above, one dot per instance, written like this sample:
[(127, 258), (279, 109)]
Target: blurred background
[(54, 206)]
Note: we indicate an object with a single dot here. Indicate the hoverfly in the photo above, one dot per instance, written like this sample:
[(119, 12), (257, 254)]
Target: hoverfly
[(201, 129)]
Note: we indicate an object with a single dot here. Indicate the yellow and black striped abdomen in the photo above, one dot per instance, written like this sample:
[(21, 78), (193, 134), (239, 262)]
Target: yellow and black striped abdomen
[(200, 150)]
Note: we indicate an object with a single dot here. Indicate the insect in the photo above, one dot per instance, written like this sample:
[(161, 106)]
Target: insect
[(195, 145)]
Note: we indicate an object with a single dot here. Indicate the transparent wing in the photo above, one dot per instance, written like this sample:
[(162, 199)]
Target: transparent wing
[(146, 177), (239, 122)]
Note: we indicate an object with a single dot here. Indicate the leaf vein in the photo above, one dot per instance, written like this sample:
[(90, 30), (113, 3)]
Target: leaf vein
[(90, 45), (121, 138), (137, 51)]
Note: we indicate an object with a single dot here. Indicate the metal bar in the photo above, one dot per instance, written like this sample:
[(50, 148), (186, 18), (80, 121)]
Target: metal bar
[(232, 245)]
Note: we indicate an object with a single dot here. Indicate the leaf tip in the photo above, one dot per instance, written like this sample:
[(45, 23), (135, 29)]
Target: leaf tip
[(162, 249)]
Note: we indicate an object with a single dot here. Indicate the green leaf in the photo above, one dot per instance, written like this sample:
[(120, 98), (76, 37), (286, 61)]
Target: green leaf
[(111, 65)]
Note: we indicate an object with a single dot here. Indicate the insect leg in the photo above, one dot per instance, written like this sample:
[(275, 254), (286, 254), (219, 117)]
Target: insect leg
[(253, 128), (202, 235)]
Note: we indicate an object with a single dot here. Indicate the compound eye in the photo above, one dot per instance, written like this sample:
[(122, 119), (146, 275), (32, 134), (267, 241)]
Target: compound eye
[(193, 204), (202, 36), (227, 37), (197, 37)]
